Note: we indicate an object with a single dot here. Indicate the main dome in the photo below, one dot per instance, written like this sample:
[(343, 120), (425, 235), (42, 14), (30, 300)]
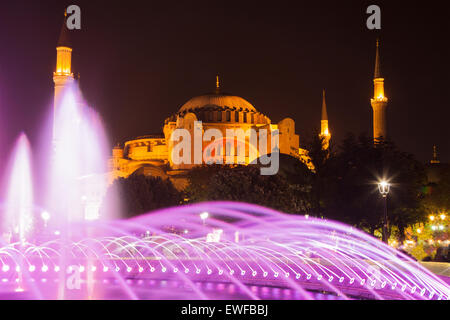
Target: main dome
[(218, 100)]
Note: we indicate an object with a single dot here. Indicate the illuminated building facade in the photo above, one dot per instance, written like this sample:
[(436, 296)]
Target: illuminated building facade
[(151, 155)]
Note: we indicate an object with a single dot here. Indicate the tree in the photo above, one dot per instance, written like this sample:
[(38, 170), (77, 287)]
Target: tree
[(140, 194), (350, 181), (282, 191), (437, 198)]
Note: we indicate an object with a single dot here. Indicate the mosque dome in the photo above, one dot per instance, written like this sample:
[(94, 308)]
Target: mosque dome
[(219, 101)]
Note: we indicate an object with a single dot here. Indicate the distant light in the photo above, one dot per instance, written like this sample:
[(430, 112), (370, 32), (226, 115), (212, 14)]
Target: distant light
[(5, 268), (45, 215), (433, 228), (431, 218), (441, 227), (186, 231), (419, 230), (57, 233), (204, 215), (443, 216)]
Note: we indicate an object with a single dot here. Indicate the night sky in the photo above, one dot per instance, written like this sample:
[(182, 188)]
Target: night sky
[(140, 61)]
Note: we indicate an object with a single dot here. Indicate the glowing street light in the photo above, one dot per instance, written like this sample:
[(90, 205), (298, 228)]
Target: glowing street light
[(383, 187), (45, 216), (431, 217), (442, 216), (204, 216)]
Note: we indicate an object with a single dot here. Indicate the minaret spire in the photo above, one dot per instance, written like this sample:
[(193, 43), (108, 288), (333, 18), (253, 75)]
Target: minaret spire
[(324, 131), (324, 107), (64, 39), (379, 100), (435, 159), (377, 73)]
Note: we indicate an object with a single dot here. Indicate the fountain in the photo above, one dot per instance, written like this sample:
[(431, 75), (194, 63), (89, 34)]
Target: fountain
[(18, 212), (220, 250), (260, 254)]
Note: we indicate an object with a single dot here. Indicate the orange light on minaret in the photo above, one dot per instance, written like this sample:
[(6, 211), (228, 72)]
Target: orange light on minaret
[(217, 84), (64, 52), (63, 61), (63, 76), (379, 101), (324, 130)]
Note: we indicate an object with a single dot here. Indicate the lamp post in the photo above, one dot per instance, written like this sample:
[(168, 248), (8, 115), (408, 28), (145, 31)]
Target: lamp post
[(383, 187), (45, 216), (204, 216)]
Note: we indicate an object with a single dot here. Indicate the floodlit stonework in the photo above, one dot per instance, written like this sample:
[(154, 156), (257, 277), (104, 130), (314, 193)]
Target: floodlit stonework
[(379, 101), (151, 155)]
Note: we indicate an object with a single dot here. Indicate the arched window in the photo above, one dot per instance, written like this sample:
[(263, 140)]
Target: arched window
[(228, 116), (228, 149)]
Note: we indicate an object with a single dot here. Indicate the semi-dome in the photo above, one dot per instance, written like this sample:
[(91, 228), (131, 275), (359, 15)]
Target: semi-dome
[(217, 100)]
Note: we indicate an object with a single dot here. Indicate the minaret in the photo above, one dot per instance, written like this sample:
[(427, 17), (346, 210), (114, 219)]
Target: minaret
[(435, 159), (324, 131), (379, 101), (217, 85), (63, 76)]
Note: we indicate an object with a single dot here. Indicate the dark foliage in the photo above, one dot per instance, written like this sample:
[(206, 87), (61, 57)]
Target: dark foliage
[(140, 194), (246, 184), (346, 183)]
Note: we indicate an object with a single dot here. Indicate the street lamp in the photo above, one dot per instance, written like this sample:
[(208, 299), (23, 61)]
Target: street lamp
[(383, 187), (204, 216), (45, 216)]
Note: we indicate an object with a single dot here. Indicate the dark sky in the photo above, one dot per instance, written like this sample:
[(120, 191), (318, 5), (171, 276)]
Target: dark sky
[(141, 60)]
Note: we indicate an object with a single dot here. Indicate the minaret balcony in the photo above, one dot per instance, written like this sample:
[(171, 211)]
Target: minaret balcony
[(379, 99)]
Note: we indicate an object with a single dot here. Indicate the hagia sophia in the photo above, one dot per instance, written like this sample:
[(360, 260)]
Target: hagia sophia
[(150, 155)]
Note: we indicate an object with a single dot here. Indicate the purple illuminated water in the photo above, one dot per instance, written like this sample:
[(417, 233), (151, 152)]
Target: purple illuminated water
[(260, 254), (216, 250), (18, 212)]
